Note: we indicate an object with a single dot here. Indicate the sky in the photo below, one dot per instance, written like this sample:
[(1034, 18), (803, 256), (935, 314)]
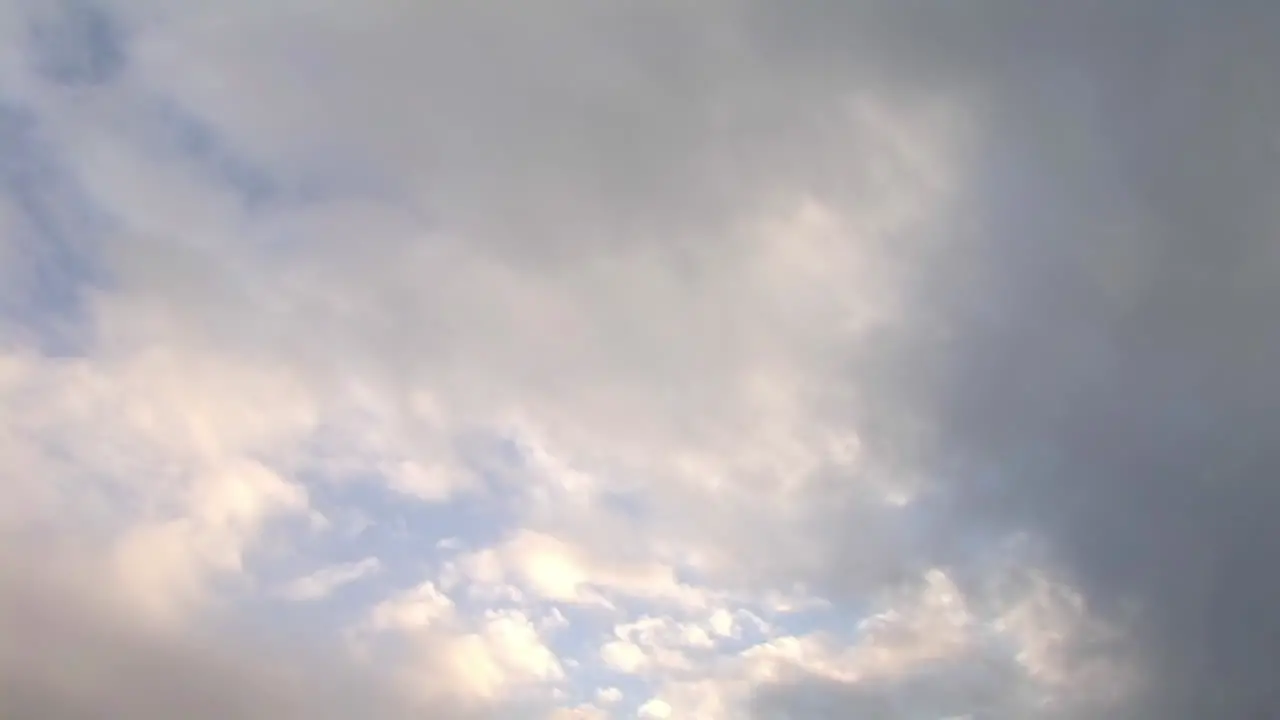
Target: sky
[(574, 360)]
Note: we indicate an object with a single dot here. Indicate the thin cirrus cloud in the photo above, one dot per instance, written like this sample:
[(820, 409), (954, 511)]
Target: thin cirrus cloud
[(715, 360)]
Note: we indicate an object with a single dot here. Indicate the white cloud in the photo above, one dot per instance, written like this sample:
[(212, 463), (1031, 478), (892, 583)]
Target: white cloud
[(927, 651), (441, 650), (934, 624), (654, 708), (558, 570), (609, 696), (161, 446), (503, 659), (414, 609), (623, 656), (581, 712), (324, 582), (723, 623), (1057, 642), (516, 641), (166, 565)]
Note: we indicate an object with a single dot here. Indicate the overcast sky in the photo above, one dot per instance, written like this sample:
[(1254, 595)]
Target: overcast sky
[(589, 360)]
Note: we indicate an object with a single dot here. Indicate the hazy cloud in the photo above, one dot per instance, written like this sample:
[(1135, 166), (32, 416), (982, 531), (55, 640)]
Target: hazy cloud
[(705, 303)]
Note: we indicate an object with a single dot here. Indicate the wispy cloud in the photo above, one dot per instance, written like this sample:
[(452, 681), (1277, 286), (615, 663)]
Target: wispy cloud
[(322, 583)]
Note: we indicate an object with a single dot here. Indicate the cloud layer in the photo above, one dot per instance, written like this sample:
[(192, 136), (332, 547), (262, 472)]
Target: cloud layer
[(641, 359)]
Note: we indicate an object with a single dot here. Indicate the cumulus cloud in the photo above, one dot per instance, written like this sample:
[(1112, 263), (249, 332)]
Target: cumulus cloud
[(818, 358)]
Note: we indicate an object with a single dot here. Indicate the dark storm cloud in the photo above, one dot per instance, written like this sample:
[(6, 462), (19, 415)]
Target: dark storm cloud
[(1096, 352)]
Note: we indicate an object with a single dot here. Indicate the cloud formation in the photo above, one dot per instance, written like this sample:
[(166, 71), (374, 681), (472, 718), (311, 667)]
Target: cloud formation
[(70, 653), (661, 359), (1096, 361)]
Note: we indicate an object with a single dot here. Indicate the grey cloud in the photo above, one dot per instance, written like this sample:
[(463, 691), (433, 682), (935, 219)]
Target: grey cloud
[(195, 140), (557, 131), (1095, 355), (47, 255), (77, 43)]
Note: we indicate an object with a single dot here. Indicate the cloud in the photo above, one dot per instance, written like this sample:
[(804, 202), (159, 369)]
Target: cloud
[(547, 567), (707, 306), (324, 582), (1090, 361), (416, 608), (70, 655), (655, 708), (608, 696), (77, 43)]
